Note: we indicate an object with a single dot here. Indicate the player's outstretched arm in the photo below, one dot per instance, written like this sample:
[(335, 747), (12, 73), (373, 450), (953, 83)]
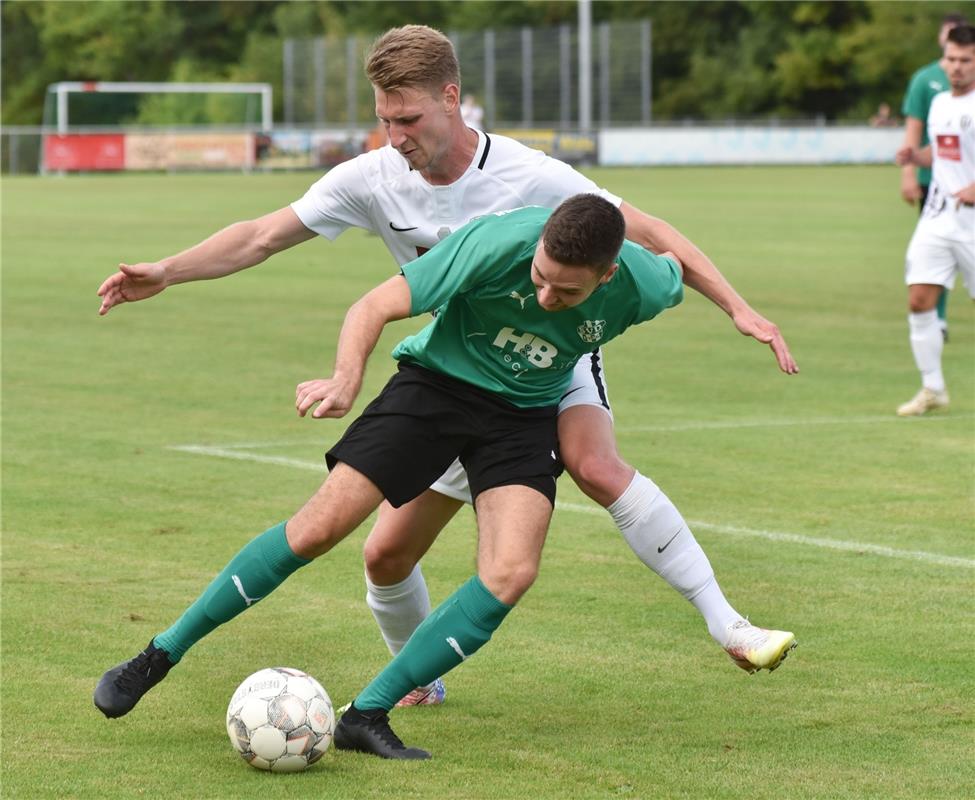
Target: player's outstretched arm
[(701, 275), (230, 250), (361, 330)]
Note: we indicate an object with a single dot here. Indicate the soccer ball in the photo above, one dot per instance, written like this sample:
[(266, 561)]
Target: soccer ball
[(280, 719)]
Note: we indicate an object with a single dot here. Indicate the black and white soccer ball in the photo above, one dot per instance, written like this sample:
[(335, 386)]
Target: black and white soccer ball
[(280, 719)]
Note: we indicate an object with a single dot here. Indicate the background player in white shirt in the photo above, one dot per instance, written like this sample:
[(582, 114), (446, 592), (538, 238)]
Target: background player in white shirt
[(435, 175), (943, 243)]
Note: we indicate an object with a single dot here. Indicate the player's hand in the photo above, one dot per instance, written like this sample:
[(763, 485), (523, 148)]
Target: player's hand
[(132, 282), (906, 156), (966, 196), (334, 397), (910, 188), (751, 324)]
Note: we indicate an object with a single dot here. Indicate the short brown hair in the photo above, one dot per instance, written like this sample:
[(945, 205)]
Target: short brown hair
[(962, 35), (585, 231), (415, 57)]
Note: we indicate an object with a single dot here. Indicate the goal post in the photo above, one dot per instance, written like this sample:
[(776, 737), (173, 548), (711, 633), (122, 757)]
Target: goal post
[(64, 89), (129, 125)]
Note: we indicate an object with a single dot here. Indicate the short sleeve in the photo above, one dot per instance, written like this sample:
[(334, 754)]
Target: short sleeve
[(917, 100), (658, 280), (555, 181), (336, 201)]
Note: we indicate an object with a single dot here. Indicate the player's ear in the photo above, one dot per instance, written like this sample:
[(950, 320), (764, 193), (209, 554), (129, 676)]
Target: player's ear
[(450, 97), (609, 273)]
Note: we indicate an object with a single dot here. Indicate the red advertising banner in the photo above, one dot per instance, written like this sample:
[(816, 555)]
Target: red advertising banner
[(84, 151)]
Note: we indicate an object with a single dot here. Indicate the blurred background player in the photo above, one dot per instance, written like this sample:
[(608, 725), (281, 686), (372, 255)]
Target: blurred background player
[(928, 81), (944, 240)]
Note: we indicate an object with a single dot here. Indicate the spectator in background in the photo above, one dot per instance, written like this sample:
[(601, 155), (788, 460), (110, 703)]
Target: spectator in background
[(882, 117), (923, 86), (472, 113)]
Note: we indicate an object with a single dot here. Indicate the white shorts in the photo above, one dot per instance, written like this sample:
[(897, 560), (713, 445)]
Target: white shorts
[(936, 259), (588, 388)]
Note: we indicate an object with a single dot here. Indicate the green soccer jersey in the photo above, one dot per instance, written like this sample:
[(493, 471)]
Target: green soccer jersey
[(924, 85), (490, 331)]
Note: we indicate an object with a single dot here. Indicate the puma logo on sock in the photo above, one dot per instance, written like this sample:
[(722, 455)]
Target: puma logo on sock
[(456, 647), (240, 588)]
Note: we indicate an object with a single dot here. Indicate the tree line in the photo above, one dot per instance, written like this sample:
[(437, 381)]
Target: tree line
[(713, 59)]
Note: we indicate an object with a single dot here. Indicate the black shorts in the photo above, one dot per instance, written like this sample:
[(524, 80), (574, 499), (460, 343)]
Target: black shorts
[(422, 420)]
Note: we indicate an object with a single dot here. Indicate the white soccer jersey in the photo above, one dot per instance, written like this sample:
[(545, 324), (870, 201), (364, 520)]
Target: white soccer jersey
[(951, 129), (379, 192)]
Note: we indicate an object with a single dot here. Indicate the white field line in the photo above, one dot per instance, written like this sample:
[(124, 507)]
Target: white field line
[(242, 455), (814, 541), (785, 423), (730, 530)]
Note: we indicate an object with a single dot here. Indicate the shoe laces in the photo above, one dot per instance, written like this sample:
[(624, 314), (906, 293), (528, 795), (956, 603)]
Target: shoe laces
[(136, 672), (744, 635), (380, 726)]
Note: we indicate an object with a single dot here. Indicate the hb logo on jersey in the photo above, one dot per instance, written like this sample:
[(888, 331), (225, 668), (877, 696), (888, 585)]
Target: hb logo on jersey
[(527, 345)]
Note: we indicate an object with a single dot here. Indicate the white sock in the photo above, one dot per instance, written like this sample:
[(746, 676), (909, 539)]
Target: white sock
[(399, 608), (655, 530), (927, 343)]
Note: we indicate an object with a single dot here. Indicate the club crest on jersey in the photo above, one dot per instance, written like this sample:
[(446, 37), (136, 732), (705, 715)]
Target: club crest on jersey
[(591, 330)]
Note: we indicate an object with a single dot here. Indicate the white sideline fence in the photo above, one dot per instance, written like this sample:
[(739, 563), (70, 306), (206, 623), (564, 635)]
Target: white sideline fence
[(22, 149)]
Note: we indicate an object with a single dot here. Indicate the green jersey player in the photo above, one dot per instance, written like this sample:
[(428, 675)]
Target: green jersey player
[(520, 297)]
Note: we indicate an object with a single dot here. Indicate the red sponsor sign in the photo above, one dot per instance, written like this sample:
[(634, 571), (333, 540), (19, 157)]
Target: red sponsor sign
[(84, 151), (949, 146)]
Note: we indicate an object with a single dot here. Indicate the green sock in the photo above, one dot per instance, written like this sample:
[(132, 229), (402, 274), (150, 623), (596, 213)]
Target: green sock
[(943, 305), (455, 630), (258, 569)]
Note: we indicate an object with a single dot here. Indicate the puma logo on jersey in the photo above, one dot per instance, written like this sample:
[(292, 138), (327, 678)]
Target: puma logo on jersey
[(528, 345), (520, 299)]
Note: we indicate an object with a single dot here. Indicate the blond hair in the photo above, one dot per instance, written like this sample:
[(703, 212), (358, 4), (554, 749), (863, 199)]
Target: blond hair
[(413, 56)]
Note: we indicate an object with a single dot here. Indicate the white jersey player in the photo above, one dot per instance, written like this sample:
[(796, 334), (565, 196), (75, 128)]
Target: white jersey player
[(943, 243), (435, 175), (951, 128)]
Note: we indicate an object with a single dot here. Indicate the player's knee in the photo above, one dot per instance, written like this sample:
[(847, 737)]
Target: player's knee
[(310, 541), (921, 298), (508, 581), (385, 562), (602, 476)]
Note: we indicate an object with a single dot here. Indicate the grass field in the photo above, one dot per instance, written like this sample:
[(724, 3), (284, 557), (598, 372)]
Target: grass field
[(820, 511)]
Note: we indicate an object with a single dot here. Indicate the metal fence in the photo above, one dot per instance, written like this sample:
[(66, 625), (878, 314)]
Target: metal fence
[(20, 149), (522, 77)]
